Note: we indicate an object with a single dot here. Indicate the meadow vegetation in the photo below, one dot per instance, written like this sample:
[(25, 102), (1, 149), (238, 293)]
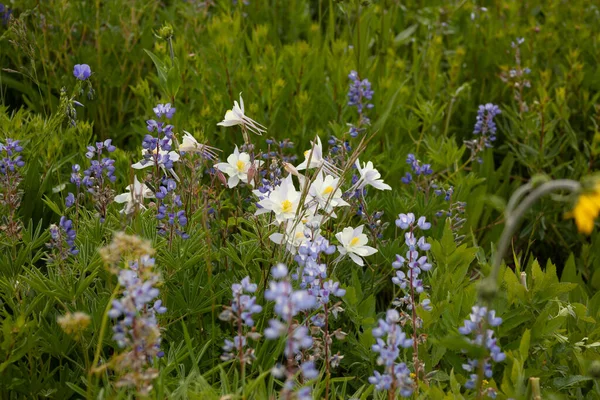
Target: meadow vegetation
[(299, 199)]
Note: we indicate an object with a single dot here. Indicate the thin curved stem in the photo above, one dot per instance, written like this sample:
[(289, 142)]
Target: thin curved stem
[(513, 218)]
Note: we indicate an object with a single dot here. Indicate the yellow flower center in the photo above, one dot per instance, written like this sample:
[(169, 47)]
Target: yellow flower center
[(328, 190), (286, 206), (240, 165), (354, 241), (306, 153)]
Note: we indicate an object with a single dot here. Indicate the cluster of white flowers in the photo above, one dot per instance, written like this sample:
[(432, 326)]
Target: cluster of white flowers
[(293, 210)]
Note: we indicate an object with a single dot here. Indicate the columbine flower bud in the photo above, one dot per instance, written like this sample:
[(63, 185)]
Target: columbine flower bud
[(290, 169), (524, 279), (251, 172), (165, 32)]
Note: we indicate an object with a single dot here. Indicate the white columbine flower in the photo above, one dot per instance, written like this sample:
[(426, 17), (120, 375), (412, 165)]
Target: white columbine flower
[(283, 201), (369, 176), (134, 197), (315, 154), (189, 144), (293, 237), (236, 116), (354, 243), (237, 167), (326, 192)]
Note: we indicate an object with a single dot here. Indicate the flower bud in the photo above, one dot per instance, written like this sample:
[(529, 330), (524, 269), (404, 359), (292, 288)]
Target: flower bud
[(165, 32), (221, 177)]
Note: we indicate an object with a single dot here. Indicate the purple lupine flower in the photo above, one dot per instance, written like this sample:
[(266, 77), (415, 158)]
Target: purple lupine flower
[(98, 176), (243, 306), (5, 14), (62, 238), (170, 212), (359, 94), (389, 340), (417, 168), (136, 328), (359, 90), (75, 175), (11, 159), (11, 162), (474, 328), (70, 200), (164, 109), (485, 125), (288, 304), (408, 278), (82, 71)]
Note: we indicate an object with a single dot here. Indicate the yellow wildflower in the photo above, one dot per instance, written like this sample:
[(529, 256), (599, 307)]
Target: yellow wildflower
[(586, 210)]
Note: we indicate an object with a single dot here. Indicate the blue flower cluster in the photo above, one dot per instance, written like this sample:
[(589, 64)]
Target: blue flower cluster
[(100, 168), (474, 327), (156, 148), (137, 328), (5, 14), (417, 168), (455, 211), (396, 377), (243, 307), (312, 275), (360, 90), (485, 125), (372, 220), (288, 304), (11, 159), (99, 174), (63, 238), (11, 162), (408, 279), (170, 210), (281, 145), (270, 177)]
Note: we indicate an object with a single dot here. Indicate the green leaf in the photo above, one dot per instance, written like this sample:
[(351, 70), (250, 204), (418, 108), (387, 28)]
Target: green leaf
[(524, 345)]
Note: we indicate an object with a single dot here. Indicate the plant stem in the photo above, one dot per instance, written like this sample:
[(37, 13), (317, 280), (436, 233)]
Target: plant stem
[(513, 218), (100, 339)]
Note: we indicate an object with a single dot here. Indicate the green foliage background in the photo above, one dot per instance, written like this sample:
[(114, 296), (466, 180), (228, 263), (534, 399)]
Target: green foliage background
[(431, 63)]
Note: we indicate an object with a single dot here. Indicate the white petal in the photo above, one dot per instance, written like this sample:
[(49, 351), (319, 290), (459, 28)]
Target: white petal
[(356, 259)]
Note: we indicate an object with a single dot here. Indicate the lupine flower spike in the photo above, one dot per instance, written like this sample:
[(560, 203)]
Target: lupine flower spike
[(11, 163), (288, 304), (474, 327), (396, 378), (136, 330), (243, 307), (408, 278)]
